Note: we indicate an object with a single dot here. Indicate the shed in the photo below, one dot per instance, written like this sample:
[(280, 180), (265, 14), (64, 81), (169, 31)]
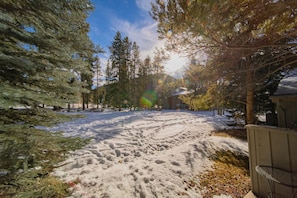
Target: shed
[(285, 99), (175, 102)]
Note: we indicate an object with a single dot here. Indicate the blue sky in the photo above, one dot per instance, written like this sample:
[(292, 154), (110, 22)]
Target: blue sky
[(132, 19)]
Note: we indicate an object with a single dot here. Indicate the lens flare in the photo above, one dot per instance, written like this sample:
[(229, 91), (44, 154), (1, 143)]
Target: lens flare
[(148, 98)]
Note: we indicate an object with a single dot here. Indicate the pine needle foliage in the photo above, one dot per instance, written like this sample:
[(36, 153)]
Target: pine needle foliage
[(44, 51), (28, 154), (34, 184), (44, 48), (248, 43)]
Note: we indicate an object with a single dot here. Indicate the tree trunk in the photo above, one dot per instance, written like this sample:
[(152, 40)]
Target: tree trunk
[(83, 101), (250, 98)]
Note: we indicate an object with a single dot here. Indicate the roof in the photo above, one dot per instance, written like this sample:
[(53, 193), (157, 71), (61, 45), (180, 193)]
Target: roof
[(182, 91), (287, 86)]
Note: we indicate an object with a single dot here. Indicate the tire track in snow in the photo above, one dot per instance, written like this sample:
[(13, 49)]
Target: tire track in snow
[(138, 154)]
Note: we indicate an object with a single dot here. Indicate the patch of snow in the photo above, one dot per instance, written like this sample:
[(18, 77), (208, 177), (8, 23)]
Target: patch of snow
[(142, 153)]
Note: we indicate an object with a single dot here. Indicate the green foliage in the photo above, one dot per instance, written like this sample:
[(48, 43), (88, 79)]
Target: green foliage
[(43, 48), (129, 78), (119, 59), (33, 117), (36, 183), (209, 100), (23, 147), (226, 24), (155, 93), (45, 52)]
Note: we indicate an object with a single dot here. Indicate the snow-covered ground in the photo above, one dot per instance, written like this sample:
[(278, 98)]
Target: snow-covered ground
[(142, 153)]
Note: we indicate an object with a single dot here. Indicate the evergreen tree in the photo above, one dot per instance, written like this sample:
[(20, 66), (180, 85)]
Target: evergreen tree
[(158, 70), (87, 80), (88, 74), (124, 75), (146, 87), (120, 60), (134, 67), (130, 77), (38, 42), (108, 73), (97, 71), (44, 53), (111, 80), (117, 59)]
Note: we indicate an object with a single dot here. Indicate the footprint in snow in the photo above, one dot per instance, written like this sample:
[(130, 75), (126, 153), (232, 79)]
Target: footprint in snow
[(175, 163), (159, 162)]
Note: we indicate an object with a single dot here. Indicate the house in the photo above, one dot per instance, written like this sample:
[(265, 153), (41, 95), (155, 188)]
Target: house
[(175, 102), (285, 99), (276, 147)]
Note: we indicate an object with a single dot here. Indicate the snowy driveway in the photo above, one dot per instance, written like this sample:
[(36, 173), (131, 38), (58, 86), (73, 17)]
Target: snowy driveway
[(141, 154)]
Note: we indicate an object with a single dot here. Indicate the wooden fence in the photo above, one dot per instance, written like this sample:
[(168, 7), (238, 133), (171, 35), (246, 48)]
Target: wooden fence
[(272, 146)]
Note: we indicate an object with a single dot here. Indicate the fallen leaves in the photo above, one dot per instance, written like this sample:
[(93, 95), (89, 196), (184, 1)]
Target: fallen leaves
[(229, 174), (225, 179)]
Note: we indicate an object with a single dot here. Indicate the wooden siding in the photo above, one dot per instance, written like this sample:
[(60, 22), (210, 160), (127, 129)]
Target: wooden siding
[(176, 103), (286, 108), (272, 146)]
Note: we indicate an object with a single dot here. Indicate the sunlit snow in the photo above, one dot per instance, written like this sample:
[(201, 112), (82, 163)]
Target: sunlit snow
[(142, 153)]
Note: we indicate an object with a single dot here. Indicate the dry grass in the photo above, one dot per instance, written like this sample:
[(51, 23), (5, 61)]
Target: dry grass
[(229, 174), (234, 133)]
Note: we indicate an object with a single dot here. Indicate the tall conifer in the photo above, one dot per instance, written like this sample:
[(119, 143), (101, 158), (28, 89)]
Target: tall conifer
[(40, 44), (44, 51)]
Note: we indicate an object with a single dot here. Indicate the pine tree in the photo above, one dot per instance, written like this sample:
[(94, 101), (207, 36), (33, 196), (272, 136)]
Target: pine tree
[(124, 74), (146, 83), (237, 33), (116, 50), (134, 67), (38, 42), (44, 45), (108, 73), (87, 80), (97, 71), (120, 60)]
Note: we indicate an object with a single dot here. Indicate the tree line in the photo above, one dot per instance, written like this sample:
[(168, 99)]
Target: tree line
[(131, 82)]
